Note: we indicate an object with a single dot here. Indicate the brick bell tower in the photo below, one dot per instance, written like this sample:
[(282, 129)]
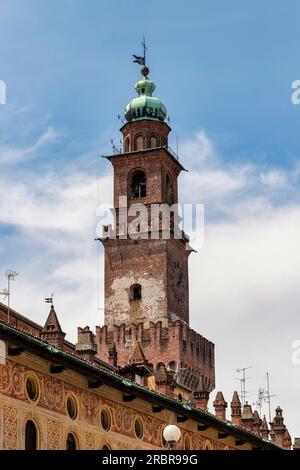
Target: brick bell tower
[(146, 258)]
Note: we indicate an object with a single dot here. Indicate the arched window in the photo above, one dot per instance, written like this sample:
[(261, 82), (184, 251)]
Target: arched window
[(138, 185), (139, 143), (153, 141), (160, 367), (30, 436), (71, 443), (136, 292), (169, 189), (173, 366), (126, 145)]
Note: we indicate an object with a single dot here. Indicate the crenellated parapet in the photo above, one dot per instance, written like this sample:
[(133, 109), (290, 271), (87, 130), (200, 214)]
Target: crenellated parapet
[(179, 348)]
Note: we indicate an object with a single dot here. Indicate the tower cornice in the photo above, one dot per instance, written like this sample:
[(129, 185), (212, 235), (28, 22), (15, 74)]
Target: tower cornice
[(139, 153)]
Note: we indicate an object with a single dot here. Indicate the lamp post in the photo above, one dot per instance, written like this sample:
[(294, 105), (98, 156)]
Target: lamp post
[(171, 435)]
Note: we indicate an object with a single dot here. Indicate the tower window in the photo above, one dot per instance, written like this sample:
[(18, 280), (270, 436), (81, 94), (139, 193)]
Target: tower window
[(169, 189), (172, 366), (126, 144), (153, 141), (136, 292), (30, 436), (139, 142), (138, 185)]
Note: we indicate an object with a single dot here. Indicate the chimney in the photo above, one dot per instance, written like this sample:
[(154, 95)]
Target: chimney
[(165, 381), (220, 406), (287, 441), (85, 346), (264, 429), (52, 332), (236, 409), (296, 445), (201, 395), (278, 428), (256, 423), (247, 419)]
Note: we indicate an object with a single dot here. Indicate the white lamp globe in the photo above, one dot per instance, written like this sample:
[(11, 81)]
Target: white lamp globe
[(172, 434)]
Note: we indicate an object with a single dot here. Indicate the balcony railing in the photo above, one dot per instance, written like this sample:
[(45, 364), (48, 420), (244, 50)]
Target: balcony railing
[(174, 154), (118, 149)]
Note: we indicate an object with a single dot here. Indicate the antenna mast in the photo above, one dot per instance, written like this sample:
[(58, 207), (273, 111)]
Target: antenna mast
[(243, 383), (6, 292), (268, 396), (265, 396), (260, 400)]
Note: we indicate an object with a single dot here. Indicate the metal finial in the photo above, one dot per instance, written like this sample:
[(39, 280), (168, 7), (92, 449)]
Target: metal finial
[(145, 71), (144, 48), (142, 59)]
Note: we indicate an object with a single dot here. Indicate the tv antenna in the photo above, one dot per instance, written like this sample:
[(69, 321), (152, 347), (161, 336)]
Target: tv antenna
[(6, 292), (260, 400), (264, 395), (268, 395), (243, 380)]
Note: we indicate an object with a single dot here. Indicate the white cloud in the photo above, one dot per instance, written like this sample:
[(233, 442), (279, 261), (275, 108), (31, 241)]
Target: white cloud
[(10, 155), (274, 178), (200, 150)]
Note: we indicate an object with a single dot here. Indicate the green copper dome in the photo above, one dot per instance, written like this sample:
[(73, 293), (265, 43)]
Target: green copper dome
[(145, 106)]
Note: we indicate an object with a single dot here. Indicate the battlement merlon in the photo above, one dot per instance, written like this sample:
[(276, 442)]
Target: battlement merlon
[(176, 345)]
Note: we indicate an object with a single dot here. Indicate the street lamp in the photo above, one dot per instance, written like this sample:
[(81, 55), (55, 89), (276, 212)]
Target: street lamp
[(171, 435)]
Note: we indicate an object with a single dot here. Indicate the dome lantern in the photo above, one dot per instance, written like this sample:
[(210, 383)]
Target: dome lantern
[(145, 106)]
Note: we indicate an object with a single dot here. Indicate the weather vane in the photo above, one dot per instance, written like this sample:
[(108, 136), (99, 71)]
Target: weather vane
[(49, 300), (141, 59)]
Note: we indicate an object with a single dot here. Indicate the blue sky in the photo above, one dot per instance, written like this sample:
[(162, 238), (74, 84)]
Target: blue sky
[(226, 67), (224, 71)]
